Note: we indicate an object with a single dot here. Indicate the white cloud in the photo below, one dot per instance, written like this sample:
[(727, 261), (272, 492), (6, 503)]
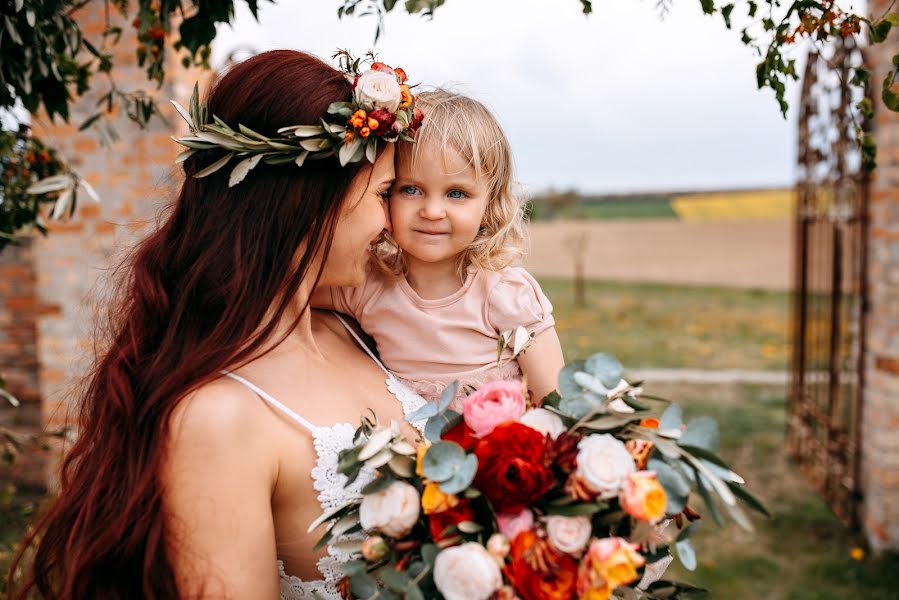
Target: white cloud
[(618, 100)]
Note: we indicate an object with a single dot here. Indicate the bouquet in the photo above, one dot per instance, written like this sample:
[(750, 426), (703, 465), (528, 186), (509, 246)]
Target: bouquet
[(585, 496)]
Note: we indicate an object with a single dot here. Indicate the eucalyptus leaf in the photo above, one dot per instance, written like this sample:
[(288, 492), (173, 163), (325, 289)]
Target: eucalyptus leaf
[(709, 501), (606, 368), (753, 502), (436, 425), (672, 418), (677, 488), (702, 432), (442, 460), (393, 579), (576, 510), (449, 393), (610, 422), (353, 567), (377, 484), (429, 553), (462, 477), (567, 385), (578, 405), (363, 585), (426, 411), (686, 554)]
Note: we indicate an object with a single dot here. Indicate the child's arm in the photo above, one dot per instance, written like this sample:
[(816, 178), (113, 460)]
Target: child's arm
[(541, 362)]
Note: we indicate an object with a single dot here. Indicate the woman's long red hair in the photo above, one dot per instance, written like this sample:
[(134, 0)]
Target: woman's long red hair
[(202, 293)]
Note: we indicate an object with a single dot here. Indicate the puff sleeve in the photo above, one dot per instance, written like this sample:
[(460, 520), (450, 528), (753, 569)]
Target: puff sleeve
[(353, 300), (517, 300)]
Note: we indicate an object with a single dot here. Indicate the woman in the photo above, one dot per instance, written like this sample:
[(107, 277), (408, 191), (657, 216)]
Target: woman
[(187, 483)]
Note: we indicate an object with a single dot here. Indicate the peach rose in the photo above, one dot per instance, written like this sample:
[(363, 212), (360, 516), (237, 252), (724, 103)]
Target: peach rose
[(495, 403), (643, 497), (609, 563)]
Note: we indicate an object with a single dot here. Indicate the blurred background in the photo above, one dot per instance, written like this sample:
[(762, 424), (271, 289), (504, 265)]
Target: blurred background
[(723, 252)]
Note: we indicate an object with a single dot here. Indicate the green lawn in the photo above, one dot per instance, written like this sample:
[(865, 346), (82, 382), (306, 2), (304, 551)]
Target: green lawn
[(656, 325), (802, 552)]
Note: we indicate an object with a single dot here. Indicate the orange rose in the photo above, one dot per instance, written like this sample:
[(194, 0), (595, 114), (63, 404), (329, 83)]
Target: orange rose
[(609, 563), (405, 96), (400, 73), (643, 497), (650, 422), (433, 500), (540, 572)]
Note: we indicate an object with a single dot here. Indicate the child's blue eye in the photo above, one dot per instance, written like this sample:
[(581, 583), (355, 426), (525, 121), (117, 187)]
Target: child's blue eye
[(409, 189), (457, 195)]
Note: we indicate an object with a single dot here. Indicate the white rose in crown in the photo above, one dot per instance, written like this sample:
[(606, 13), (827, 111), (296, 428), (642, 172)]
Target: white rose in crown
[(569, 534), (544, 421), (393, 511), (467, 572), (603, 464), (378, 89)]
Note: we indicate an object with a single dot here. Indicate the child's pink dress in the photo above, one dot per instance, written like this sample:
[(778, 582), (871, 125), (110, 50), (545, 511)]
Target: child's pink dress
[(431, 343)]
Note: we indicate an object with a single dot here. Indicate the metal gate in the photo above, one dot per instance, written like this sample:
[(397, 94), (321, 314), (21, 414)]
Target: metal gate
[(823, 421)]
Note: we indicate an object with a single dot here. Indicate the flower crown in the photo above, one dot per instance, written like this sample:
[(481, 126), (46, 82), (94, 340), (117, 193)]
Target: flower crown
[(382, 107)]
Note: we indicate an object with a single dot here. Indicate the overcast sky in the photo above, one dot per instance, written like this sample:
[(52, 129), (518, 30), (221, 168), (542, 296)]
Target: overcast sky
[(617, 101)]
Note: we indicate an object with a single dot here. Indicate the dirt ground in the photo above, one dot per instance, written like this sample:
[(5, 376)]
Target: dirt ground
[(746, 254)]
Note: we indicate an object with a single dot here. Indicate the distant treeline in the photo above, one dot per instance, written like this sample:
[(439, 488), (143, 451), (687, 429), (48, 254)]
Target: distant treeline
[(770, 203)]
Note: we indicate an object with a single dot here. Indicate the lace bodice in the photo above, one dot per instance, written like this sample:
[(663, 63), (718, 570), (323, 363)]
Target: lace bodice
[(330, 485)]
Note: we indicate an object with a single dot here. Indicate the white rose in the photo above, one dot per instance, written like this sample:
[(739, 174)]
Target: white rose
[(377, 89), (569, 534), (603, 463), (544, 421), (467, 572), (393, 511)]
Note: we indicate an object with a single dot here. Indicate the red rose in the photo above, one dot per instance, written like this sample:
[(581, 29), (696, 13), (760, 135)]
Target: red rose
[(385, 119), (512, 472), (538, 571), (462, 435), (417, 118), (440, 522), (379, 66)]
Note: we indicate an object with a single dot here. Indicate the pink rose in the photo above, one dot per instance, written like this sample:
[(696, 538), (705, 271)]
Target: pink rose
[(496, 403), (511, 524)]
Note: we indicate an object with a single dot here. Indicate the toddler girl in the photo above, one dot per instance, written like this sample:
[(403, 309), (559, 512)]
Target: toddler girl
[(443, 288)]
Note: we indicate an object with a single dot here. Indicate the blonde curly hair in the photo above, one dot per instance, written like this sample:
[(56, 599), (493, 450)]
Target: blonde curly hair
[(468, 127)]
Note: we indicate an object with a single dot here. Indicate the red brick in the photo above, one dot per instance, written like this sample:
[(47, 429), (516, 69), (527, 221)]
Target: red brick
[(105, 227), (888, 364), (88, 210), (21, 302), (65, 227)]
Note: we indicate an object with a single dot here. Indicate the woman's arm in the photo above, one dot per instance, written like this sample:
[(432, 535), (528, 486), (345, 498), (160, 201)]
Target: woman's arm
[(217, 484), (541, 362)]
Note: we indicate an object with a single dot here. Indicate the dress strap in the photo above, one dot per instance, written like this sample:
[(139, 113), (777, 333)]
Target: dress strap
[(364, 346), (265, 396)]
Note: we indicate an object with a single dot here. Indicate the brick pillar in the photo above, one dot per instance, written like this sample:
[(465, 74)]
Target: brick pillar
[(880, 415), (19, 310), (134, 178)]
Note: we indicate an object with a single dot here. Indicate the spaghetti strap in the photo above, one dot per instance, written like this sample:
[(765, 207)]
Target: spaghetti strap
[(364, 346), (262, 394)]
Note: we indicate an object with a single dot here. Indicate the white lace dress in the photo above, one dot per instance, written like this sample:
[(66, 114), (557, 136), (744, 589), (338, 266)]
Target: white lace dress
[(329, 484)]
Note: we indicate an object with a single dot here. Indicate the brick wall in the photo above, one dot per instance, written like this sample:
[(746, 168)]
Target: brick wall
[(19, 310), (880, 415), (73, 266)]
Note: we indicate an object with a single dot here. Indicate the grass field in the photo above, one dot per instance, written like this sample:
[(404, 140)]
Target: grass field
[(656, 325), (802, 552)]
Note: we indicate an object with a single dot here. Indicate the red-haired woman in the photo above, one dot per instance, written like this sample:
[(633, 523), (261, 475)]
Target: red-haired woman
[(206, 438)]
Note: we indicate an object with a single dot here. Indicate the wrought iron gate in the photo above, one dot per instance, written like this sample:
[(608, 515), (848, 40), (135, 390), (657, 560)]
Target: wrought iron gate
[(823, 423)]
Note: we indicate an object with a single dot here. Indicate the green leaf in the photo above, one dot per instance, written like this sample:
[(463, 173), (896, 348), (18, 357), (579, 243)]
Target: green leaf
[(672, 419), (567, 385), (363, 585), (552, 399), (686, 554), (442, 460), (578, 405), (425, 412), (700, 452), (725, 12), (393, 579), (463, 476), (702, 432), (449, 393), (880, 30), (429, 553), (708, 6), (609, 422), (606, 368), (707, 498), (377, 484), (215, 166), (753, 502), (889, 97), (687, 531), (575, 510), (436, 425)]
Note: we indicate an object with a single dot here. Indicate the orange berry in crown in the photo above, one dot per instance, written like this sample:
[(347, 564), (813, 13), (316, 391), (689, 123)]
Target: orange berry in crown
[(364, 132), (372, 123), (400, 73), (379, 66), (405, 96)]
